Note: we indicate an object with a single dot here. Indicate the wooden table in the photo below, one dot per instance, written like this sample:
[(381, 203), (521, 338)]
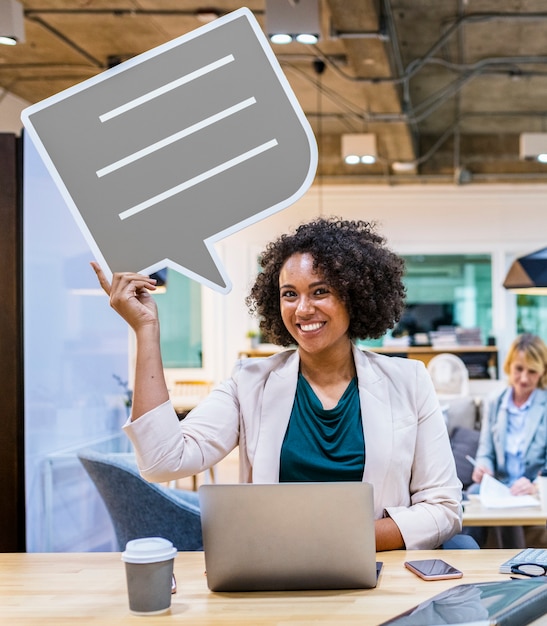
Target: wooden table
[(474, 514), (64, 589)]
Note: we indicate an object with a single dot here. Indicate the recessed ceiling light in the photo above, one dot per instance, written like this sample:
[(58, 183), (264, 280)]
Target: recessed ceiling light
[(281, 39), (12, 28), (352, 159), (307, 38), (359, 148)]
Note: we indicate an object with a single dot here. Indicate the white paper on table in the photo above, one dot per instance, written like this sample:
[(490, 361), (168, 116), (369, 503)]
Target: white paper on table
[(495, 495)]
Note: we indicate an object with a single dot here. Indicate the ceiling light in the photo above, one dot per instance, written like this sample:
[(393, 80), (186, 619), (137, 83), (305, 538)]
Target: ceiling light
[(307, 38), (404, 167), (359, 148), (293, 20), (281, 38), (533, 147), (12, 29), (381, 34), (528, 274), (352, 159)]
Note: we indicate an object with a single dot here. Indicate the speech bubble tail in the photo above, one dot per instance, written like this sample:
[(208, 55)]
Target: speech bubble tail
[(203, 266)]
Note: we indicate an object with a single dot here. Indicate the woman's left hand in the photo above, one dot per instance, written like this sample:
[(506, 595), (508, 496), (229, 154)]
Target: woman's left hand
[(522, 487)]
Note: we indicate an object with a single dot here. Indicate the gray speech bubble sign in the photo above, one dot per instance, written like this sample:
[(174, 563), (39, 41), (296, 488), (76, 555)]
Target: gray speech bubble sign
[(173, 150)]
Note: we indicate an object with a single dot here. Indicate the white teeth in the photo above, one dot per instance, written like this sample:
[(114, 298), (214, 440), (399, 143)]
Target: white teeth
[(309, 327)]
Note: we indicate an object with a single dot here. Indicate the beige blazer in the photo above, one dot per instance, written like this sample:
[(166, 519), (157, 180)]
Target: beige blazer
[(408, 458)]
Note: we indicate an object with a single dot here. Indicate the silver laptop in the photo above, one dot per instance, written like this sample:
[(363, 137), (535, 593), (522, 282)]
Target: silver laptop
[(288, 536)]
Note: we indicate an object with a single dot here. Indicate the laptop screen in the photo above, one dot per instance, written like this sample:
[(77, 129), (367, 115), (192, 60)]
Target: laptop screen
[(288, 536)]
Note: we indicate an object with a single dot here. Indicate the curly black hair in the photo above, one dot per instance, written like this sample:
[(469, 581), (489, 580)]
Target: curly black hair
[(354, 261)]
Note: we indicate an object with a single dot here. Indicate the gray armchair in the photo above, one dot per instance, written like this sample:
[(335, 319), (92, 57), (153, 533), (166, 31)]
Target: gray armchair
[(138, 508)]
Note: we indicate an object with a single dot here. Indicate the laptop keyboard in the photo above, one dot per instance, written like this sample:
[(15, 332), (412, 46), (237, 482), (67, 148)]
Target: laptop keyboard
[(528, 555)]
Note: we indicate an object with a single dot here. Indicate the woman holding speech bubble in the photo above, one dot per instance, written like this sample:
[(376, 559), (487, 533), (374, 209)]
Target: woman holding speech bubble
[(322, 411)]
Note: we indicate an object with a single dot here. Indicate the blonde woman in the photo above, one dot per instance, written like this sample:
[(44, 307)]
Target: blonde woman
[(513, 441)]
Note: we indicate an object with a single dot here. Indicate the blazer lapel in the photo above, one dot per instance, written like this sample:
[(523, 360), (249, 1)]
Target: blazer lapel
[(375, 415), (277, 403), (499, 431), (533, 419)]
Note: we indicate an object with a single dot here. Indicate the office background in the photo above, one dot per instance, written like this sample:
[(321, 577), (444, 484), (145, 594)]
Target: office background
[(72, 400)]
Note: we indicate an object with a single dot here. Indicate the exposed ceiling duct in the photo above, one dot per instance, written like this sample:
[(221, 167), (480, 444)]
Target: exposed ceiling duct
[(447, 91)]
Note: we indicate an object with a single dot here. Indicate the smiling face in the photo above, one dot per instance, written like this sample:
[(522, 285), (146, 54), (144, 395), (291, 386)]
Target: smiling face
[(312, 312)]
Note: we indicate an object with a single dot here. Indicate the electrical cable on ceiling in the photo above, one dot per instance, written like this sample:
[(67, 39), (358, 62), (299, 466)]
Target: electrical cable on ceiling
[(319, 67)]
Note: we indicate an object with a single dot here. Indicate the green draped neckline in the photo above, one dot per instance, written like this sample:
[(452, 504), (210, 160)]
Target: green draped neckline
[(323, 445)]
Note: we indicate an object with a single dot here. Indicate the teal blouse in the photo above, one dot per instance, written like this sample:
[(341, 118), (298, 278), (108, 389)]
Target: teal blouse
[(323, 445)]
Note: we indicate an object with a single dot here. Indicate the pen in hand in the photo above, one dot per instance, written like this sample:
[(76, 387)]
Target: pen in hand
[(478, 468)]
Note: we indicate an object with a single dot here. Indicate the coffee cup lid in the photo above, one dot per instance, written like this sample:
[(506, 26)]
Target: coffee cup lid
[(148, 550)]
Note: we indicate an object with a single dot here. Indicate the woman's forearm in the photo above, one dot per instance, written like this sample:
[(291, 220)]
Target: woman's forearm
[(150, 389), (130, 296), (388, 535)]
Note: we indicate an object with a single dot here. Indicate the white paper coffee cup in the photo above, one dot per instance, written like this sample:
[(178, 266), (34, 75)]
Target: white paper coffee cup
[(149, 571)]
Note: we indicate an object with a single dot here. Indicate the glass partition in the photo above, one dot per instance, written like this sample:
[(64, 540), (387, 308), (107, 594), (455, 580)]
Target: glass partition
[(76, 368), (532, 315), (179, 308), (445, 289)]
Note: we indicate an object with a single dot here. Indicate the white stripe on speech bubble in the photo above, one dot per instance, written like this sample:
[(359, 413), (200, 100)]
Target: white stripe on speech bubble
[(132, 104), (198, 179), (158, 145)]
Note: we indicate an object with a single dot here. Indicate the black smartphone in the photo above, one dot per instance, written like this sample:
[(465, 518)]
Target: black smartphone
[(433, 569)]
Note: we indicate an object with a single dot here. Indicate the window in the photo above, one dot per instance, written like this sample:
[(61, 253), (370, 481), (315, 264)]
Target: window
[(532, 315), (179, 309), (447, 289)]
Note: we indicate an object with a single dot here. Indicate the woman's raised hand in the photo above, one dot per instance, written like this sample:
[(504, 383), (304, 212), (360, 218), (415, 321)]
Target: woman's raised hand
[(130, 296)]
